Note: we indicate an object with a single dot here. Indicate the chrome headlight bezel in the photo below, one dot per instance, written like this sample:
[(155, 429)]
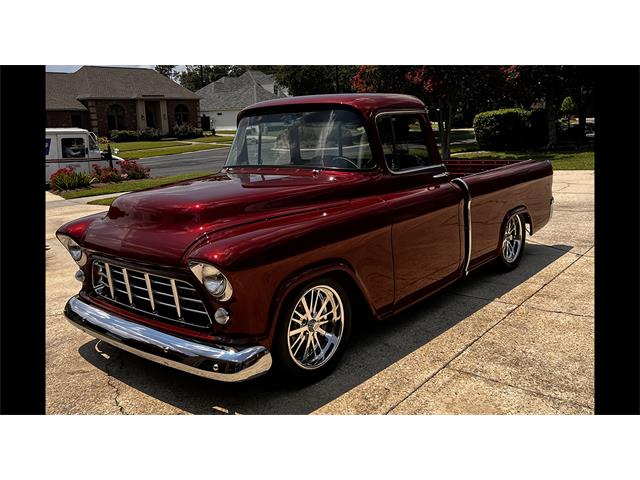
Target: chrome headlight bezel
[(76, 251), (204, 271)]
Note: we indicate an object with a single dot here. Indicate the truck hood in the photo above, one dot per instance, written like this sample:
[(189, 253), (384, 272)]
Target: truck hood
[(159, 225)]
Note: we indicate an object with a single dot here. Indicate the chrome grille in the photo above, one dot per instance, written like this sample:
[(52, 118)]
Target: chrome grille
[(160, 297)]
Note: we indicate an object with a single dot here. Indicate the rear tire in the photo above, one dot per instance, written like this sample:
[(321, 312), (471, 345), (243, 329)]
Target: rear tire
[(312, 331), (514, 235)]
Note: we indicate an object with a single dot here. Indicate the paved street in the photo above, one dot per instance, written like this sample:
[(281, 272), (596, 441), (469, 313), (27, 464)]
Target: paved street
[(511, 343), (202, 161)]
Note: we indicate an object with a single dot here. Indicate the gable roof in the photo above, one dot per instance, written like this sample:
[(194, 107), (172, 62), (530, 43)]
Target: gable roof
[(235, 99), (60, 89), (64, 90), (236, 93)]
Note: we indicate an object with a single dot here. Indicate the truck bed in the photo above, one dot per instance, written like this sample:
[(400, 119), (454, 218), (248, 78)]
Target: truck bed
[(461, 167)]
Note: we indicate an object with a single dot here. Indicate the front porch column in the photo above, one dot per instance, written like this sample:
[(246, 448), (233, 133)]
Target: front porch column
[(141, 121), (164, 118)]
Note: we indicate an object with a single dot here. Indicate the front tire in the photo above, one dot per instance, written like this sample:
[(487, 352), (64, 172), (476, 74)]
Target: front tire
[(514, 235), (312, 331)]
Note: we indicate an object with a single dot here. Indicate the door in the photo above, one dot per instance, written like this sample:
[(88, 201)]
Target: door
[(426, 209), (95, 155), (51, 157)]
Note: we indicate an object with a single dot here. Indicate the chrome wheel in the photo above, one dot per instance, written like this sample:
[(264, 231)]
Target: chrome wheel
[(512, 242), (315, 327)]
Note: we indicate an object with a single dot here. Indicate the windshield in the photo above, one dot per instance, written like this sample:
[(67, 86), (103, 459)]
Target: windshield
[(93, 142), (318, 139)]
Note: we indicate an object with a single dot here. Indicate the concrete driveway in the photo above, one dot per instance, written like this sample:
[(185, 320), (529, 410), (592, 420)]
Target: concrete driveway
[(520, 342)]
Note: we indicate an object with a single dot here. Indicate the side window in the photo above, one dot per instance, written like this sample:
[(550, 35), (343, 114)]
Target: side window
[(72, 147), (403, 142)]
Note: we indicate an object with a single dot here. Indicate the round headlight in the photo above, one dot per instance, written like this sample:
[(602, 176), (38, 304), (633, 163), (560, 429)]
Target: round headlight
[(213, 280)]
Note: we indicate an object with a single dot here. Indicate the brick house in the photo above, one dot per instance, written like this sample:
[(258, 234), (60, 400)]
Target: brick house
[(101, 99)]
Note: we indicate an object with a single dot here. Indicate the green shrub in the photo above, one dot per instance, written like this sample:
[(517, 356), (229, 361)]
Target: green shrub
[(149, 134), (68, 179), (568, 106), (186, 131), (123, 135), (509, 129)]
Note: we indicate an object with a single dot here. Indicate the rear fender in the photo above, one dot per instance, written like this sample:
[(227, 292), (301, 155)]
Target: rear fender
[(521, 210)]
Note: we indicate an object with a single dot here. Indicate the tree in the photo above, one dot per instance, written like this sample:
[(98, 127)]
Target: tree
[(315, 79), (167, 70), (567, 108), (445, 88), (383, 79), (194, 77), (551, 84)]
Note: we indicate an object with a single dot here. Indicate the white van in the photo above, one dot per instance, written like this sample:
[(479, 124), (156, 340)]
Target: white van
[(73, 147)]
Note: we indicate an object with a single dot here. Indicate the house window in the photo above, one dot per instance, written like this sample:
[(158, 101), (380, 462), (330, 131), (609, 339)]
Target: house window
[(181, 114), (115, 117)]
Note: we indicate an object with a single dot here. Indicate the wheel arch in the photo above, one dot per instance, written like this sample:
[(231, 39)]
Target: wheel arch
[(338, 269), (522, 210)]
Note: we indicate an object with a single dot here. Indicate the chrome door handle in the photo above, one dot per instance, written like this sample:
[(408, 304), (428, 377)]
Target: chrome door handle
[(441, 175)]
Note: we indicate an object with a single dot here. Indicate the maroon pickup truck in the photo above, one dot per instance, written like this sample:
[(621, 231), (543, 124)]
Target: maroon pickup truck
[(328, 207)]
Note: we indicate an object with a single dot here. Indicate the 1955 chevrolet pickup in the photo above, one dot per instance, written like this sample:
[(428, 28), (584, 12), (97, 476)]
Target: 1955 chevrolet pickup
[(328, 208)]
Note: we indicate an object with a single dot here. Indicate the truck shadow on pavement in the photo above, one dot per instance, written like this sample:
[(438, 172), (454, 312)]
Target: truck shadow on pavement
[(374, 346)]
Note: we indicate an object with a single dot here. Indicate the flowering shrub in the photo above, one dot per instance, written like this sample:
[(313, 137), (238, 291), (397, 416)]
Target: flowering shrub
[(106, 174), (68, 179), (130, 170)]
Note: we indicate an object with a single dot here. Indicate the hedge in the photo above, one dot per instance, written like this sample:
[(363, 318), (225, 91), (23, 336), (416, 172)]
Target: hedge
[(185, 131), (146, 134), (510, 129)]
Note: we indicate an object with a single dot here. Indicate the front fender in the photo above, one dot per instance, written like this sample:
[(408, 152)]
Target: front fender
[(77, 228)]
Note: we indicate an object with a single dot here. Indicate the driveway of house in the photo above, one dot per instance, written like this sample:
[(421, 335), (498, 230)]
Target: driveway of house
[(520, 342)]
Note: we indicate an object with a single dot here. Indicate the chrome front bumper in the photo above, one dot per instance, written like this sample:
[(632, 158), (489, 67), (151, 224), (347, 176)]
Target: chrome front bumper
[(217, 362)]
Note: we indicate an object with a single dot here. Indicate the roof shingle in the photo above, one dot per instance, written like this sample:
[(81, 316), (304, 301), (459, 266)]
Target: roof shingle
[(236, 93), (65, 89)]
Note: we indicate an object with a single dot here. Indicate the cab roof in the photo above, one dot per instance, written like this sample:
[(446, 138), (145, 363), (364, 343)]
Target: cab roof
[(366, 103), (67, 130)]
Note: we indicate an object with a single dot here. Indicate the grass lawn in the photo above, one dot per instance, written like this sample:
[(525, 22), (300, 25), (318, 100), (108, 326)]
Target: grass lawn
[(156, 152), (102, 201), (130, 185), (472, 147), (213, 139), (232, 132), (128, 146), (561, 160)]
